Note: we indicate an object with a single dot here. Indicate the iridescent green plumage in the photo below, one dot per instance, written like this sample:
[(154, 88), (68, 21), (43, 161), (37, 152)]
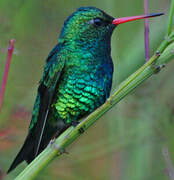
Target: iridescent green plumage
[(76, 80)]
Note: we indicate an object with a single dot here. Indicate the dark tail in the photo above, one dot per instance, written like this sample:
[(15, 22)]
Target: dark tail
[(27, 152), (23, 154)]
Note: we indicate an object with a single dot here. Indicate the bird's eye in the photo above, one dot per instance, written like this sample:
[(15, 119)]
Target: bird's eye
[(97, 22)]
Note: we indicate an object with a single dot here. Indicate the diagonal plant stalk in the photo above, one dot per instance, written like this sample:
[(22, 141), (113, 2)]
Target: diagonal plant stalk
[(58, 147), (7, 66)]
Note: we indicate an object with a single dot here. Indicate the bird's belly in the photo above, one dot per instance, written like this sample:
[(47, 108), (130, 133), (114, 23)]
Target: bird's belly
[(79, 97)]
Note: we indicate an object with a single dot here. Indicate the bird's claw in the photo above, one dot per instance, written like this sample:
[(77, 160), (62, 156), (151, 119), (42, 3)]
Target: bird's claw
[(110, 101), (75, 123)]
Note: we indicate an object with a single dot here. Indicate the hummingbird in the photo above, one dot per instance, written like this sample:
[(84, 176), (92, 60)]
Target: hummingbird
[(76, 80)]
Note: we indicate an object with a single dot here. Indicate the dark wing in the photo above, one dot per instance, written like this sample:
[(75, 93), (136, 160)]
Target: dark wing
[(46, 90)]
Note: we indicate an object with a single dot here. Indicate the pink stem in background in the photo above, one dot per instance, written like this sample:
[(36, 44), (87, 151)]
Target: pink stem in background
[(7, 65), (146, 32)]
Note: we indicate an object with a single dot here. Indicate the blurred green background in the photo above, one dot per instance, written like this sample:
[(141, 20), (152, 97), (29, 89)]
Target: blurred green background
[(127, 142)]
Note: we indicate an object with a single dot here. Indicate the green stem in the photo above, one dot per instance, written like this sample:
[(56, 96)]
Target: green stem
[(170, 22), (57, 148)]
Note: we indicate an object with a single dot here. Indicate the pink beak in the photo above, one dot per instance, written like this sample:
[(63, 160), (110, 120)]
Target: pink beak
[(133, 18)]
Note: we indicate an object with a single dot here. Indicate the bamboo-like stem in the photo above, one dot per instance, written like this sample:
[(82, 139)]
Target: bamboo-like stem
[(146, 31), (170, 22), (7, 66), (58, 147)]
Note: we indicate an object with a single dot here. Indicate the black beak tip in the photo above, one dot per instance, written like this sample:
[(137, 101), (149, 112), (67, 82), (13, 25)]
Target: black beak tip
[(156, 14)]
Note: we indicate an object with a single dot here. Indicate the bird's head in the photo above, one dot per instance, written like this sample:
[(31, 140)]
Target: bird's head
[(90, 24), (87, 23)]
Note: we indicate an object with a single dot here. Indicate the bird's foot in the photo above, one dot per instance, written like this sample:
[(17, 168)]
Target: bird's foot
[(75, 123), (109, 100)]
